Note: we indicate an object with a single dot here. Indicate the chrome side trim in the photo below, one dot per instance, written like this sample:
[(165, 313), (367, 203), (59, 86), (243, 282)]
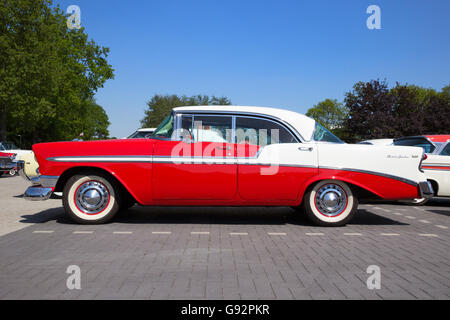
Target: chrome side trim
[(389, 176), (35, 193), (101, 159)]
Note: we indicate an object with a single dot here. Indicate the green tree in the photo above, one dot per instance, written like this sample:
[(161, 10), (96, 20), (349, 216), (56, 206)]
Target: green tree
[(375, 111), (370, 107), (160, 106), (47, 72), (331, 114)]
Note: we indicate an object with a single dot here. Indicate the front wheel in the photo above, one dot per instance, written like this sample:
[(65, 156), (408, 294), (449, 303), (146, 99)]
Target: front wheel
[(91, 198), (330, 203)]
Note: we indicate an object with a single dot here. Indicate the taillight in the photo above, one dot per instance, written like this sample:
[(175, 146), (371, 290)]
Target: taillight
[(424, 157)]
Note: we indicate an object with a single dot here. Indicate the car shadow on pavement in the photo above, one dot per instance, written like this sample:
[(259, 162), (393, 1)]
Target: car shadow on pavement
[(210, 215), (442, 212), (43, 216), (364, 217)]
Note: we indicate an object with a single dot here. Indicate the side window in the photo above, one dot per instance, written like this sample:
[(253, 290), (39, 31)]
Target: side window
[(209, 128), (446, 150), (261, 132)]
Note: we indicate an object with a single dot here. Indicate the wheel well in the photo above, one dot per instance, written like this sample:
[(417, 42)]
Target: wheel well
[(88, 170), (435, 186), (360, 192)]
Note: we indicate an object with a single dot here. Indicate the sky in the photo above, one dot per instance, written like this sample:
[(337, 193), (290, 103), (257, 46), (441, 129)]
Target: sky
[(284, 54)]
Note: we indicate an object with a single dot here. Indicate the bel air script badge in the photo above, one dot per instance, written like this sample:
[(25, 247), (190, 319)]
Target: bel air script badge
[(392, 156)]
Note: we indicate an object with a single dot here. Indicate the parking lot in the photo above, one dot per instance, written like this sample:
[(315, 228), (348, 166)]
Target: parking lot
[(222, 253)]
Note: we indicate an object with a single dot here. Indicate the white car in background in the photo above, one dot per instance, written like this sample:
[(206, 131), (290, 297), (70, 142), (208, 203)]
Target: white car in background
[(437, 164), (142, 133), (10, 147), (378, 142)]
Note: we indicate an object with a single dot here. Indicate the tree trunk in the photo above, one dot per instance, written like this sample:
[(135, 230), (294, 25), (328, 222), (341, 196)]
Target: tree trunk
[(3, 123)]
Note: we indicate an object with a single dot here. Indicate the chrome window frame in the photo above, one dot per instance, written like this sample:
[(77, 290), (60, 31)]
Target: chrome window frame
[(181, 114), (258, 118), (235, 114)]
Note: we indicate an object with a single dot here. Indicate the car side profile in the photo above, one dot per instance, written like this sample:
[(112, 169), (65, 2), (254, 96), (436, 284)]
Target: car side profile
[(227, 156)]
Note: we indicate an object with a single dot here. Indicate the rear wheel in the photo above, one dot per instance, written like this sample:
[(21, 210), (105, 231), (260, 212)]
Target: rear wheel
[(330, 203), (91, 198), (12, 172)]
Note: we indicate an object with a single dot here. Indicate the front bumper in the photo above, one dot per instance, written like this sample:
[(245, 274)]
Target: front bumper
[(426, 189), (42, 186), (37, 193)]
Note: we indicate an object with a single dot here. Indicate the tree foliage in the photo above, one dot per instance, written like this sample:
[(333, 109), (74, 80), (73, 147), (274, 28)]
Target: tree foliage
[(160, 106), (331, 114), (375, 111), (48, 74)]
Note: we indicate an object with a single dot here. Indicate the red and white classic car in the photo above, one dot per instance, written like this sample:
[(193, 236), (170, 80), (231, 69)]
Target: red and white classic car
[(7, 163), (227, 156)]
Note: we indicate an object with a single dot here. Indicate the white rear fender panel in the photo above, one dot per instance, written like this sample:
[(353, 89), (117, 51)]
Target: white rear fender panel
[(396, 161)]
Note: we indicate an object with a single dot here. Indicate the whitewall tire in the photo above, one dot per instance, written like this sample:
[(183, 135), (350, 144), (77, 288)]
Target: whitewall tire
[(330, 203), (91, 198)]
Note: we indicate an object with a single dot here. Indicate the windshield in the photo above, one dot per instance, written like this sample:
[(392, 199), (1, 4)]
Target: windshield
[(322, 134), (165, 129), (7, 146)]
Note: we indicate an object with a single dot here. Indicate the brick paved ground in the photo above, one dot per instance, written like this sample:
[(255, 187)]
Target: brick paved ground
[(223, 253)]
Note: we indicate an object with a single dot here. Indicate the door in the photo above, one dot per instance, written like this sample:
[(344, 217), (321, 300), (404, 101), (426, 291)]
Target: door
[(272, 163), (199, 164)]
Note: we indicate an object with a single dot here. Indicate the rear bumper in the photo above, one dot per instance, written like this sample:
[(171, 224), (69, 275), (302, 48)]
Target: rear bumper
[(426, 189)]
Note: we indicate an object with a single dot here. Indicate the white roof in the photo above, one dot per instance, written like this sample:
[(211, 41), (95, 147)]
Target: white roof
[(303, 124), (146, 129)]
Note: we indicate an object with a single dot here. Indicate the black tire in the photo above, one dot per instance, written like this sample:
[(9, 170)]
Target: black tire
[(91, 198), (318, 203)]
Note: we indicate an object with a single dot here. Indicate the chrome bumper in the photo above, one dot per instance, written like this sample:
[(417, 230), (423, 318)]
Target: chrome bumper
[(426, 189), (36, 193), (42, 186)]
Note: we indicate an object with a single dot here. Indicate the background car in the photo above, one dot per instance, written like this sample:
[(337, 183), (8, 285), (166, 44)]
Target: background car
[(7, 164), (141, 133), (378, 142), (437, 164), (10, 147)]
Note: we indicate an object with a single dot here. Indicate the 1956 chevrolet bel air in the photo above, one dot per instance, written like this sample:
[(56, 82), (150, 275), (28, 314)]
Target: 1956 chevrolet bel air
[(227, 156)]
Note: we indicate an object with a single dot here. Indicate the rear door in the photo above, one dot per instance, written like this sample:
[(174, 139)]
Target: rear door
[(272, 163)]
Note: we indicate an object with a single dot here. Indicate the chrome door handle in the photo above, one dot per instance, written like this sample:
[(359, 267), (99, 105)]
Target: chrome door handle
[(305, 148), (223, 148)]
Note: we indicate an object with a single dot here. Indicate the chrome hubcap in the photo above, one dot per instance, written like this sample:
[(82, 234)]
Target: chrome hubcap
[(331, 200), (92, 197)]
